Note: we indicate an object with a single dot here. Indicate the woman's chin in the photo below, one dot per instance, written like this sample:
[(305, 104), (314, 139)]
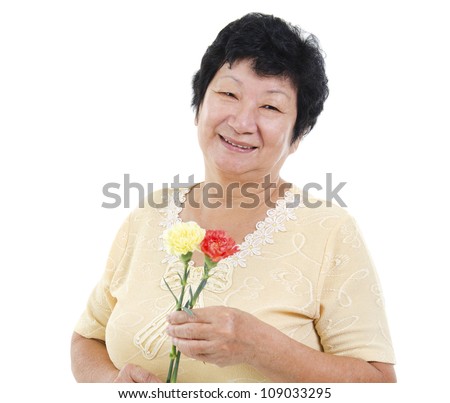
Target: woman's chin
[(227, 165), (239, 173)]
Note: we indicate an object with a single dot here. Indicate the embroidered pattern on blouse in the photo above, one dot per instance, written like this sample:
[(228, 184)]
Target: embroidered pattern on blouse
[(150, 338)]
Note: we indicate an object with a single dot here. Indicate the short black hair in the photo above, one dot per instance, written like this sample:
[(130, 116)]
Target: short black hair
[(276, 48)]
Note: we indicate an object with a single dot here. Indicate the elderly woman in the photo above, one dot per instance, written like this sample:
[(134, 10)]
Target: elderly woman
[(300, 300)]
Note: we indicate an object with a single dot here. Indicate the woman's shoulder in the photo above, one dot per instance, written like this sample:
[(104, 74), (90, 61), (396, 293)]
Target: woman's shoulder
[(309, 205), (317, 217)]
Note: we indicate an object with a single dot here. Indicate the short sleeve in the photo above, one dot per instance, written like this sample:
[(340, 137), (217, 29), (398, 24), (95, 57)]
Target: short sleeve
[(352, 320), (92, 323)]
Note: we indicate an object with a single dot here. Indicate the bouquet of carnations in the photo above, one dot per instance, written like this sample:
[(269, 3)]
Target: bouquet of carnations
[(181, 240)]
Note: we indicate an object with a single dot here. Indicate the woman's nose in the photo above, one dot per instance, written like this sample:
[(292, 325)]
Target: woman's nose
[(243, 119)]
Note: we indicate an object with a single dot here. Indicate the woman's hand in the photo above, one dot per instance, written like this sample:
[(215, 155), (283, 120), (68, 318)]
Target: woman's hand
[(91, 363), (218, 335), (227, 336), (131, 373)]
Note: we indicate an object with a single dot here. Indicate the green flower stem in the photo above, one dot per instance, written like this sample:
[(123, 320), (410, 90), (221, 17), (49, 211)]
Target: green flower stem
[(175, 369), (183, 289), (185, 259), (174, 354), (199, 289), (208, 265)]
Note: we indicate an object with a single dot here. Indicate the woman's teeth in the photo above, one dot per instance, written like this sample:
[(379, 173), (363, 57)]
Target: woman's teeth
[(237, 145)]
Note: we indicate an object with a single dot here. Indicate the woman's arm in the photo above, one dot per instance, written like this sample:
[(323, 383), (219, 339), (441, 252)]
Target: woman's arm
[(287, 360), (90, 360), (227, 336), (91, 363)]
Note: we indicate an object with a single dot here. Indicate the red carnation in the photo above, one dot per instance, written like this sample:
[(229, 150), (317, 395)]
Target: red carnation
[(217, 245)]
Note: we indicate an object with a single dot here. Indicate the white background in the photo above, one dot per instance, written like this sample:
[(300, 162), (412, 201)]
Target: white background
[(91, 90)]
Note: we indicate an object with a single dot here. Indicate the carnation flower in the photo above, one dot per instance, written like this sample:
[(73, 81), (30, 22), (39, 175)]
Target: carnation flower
[(217, 245), (183, 238)]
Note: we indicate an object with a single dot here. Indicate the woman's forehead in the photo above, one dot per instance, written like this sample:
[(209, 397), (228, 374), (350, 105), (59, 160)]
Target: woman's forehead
[(242, 72)]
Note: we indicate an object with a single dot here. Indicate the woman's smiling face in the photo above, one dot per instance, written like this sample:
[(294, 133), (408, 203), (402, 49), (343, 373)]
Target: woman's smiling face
[(245, 123)]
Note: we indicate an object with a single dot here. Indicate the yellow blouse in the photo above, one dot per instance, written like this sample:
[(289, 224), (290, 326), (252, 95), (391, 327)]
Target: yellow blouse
[(305, 271)]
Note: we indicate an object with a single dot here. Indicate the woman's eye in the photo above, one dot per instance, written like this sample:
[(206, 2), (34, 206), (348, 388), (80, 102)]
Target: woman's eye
[(271, 108), (228, 94)]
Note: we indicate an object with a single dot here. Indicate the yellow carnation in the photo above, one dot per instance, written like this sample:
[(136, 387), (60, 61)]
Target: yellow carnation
[(183, 238)]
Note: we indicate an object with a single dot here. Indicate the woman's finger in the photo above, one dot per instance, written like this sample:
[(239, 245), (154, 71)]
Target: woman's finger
[(193, 331), (201, 315), (194, 348), (140, 375)]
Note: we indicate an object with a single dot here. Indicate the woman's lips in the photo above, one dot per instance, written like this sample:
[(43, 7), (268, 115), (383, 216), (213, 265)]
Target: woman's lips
[(236, 146)]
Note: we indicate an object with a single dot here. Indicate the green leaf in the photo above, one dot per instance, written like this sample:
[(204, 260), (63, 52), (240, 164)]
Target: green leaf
[(168, 286), (188, 311)]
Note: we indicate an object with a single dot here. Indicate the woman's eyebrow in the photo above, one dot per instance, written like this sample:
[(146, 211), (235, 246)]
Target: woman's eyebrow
[(279, 92), (273, 91), (233, 78)]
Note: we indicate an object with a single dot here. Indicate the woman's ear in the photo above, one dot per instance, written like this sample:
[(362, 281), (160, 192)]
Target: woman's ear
[(196, 117), (294, 146)]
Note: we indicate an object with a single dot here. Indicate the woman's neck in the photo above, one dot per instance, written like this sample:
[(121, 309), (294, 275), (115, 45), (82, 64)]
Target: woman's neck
[(234, 193), (234, 206)]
